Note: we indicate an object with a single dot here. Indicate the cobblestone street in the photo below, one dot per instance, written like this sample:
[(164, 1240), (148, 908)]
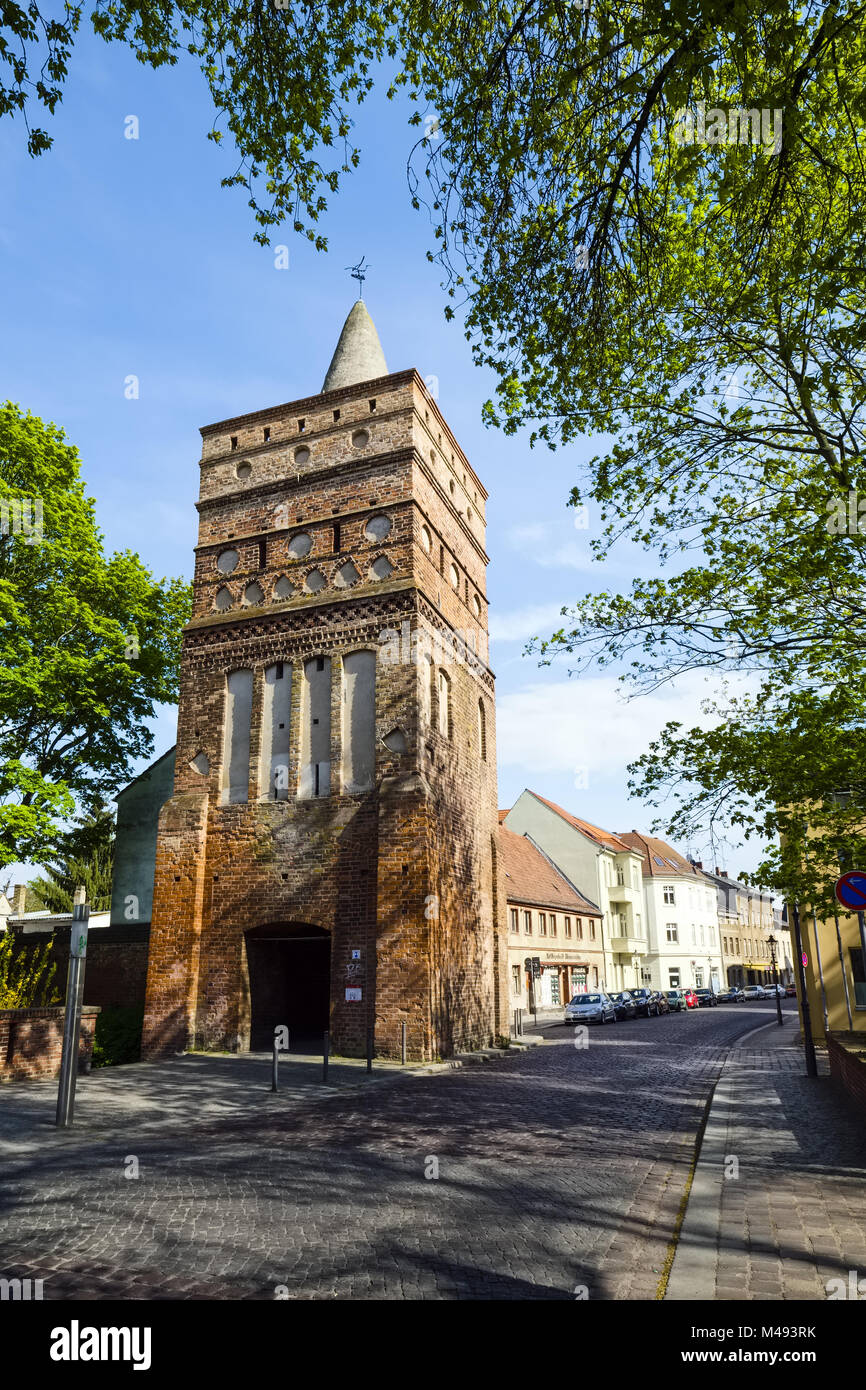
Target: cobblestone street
[(559, 1169)]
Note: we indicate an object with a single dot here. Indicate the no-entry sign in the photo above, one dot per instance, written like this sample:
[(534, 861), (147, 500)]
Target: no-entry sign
[(851, 890)]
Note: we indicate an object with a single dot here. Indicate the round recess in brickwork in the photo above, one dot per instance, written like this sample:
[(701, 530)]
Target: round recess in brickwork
[(244, 470), (476, 605), (454, 576), (314, 581), (426, 539), (284, 588), (223, 599), (377, 528), (254, 593), (347, 574), (361, 438), (381, 567), (302, 455), (227, 561), (300, 545)]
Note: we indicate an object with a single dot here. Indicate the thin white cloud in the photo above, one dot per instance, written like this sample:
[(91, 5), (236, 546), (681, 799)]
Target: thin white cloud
[(584, 723), (534, 620)]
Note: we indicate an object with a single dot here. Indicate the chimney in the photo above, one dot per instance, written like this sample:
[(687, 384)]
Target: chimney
[(19, 898), (699, 864), (721, 873)]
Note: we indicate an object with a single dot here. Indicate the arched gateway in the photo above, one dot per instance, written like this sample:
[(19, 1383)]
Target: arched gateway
[(289, 971)]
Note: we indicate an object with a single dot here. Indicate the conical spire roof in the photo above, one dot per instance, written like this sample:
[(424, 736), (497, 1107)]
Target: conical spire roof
[(358, 356)]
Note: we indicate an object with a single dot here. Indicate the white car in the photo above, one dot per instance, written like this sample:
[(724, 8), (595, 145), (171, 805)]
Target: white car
[(595, 1007), (754, 992), (770, 991)]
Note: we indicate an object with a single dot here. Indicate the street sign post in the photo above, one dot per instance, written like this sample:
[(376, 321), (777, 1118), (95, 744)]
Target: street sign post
[(851, 892), (72, 1015)]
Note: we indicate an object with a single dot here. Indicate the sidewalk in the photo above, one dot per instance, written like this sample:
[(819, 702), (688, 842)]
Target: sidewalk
[(778, 1201)]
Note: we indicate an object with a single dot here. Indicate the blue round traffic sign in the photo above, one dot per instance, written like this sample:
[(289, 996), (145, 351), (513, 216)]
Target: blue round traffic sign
[(851, 890)]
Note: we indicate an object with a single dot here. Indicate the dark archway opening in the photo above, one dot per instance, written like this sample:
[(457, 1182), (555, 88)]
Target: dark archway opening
[(290, 984)]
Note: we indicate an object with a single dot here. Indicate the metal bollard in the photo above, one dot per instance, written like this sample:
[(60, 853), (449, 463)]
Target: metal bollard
[(275, 1066), (403, 1044), (325, 1054)]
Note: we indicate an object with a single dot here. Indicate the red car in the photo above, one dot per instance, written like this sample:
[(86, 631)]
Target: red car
[(691, 999)]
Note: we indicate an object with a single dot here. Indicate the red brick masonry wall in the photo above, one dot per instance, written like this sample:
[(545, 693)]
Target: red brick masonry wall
[(31, 1042), (848, 1064)]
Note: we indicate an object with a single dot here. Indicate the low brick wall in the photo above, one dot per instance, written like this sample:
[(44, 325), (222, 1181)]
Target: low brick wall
[(847, 1055), (116, 970), (31, 1042)]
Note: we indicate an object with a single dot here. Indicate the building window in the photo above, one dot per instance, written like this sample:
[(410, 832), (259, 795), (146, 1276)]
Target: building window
[(579, 925), (635, 876), (527, 923), (513, 919), (316, 728), (858, 975), (516, 982), (567, 927), (542, 924), (236, 743), (674, 979), (620, 875), (444, 705), (592, 931), (553, 924), (482, 731), (276, 714), (595, 977), (668, 892), (359, 721), (671, 931)]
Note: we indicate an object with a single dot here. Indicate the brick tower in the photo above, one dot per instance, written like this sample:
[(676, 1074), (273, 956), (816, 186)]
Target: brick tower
[(328, 858)]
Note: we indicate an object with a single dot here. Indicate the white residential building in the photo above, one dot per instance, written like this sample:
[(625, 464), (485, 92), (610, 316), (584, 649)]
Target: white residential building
[(681, 909), (604, 869)]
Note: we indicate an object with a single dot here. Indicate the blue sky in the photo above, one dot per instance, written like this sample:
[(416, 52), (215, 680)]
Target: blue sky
[(125, 257)]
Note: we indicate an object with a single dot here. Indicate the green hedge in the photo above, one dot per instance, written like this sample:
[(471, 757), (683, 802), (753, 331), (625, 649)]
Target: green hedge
[(118, 1036)]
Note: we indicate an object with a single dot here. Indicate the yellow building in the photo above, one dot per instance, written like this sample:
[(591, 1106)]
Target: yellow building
[(835, 979)]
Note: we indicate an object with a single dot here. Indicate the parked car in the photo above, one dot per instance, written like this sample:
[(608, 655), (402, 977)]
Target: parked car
[(676, 1001), (707, 998), (754, 992), (734, 995), (646, 1002), (770, 991), (790, 991), (691, 999), (591, 1008), (662, 1001), (624, 1004)]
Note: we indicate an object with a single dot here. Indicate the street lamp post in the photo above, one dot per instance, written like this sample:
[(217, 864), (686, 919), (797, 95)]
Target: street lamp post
[(771, 942)]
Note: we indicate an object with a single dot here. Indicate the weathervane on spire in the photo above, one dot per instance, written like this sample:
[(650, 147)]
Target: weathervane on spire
[(359, 272)]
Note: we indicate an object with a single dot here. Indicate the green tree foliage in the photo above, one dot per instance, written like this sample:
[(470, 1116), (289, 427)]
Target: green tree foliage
[(26, 976), (89, 644), (83, 857), (699, 303)]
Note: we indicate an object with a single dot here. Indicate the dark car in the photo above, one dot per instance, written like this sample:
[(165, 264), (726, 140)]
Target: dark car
[(676, 1001), (662, 1001), (707, 998), (646, 1003), (624, 1004), (731, 996), (790, 991)]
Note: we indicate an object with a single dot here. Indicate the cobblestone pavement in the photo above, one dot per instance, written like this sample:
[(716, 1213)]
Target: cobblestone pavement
[(559, 1169), (790, 1209)]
